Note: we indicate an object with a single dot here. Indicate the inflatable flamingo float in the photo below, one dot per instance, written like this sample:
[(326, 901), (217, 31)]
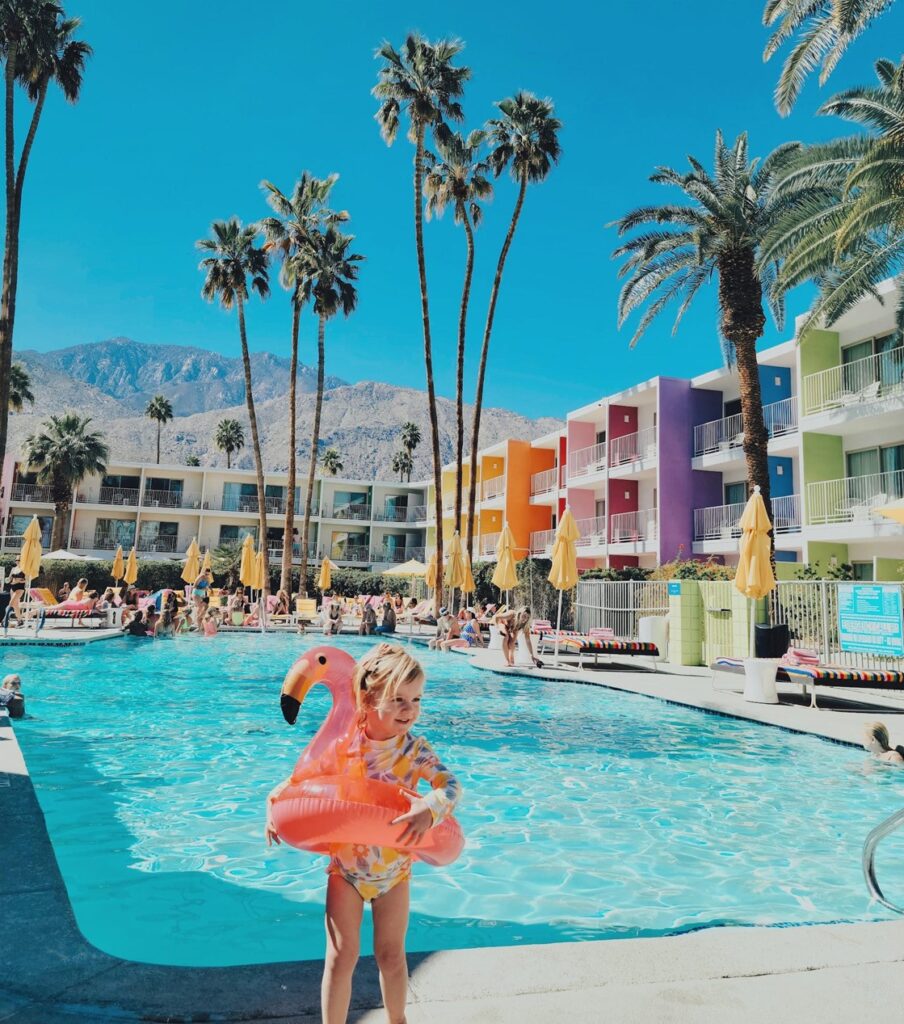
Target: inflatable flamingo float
[(328, 798)]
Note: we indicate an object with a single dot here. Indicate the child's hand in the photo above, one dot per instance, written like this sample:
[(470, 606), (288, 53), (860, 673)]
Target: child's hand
[(418, 820), (271, 833)]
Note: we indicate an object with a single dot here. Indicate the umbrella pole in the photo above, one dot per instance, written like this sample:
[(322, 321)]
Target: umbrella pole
[(752, 628), (558, 629)]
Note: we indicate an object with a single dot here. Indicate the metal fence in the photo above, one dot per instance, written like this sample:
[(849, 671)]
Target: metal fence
[(618, 604)]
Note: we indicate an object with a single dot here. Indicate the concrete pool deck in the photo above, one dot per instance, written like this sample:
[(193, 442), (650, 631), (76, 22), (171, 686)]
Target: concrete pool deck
[(51, 974)]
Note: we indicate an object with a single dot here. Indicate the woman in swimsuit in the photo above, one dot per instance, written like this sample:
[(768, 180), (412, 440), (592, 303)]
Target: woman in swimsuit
[(200, 595), (510, 624), (16, 591)]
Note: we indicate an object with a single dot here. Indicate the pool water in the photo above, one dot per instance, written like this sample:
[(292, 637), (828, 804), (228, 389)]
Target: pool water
[(589, 813)]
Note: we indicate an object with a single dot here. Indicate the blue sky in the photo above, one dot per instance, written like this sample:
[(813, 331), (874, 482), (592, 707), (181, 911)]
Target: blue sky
[(183, 114)]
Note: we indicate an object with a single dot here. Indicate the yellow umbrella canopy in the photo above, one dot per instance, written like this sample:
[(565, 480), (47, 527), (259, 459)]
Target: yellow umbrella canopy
[(431, 573), (564, 572), (893, 511), (410, 568), (205, 565), (754, 577), (468, 586), (325, 579), (118, 567), (260, 570), (192, 562), (246, 569), (30, 556), (504, 576), (455, 568), (131, 573)]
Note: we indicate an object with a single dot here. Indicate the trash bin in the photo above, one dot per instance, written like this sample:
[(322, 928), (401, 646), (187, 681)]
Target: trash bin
[(655, 629), (770, 641)]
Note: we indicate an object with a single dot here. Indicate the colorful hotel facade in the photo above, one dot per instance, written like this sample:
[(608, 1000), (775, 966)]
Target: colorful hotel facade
[(652, 473)]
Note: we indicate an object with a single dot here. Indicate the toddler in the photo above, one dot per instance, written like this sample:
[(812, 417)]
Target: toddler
[(11, 696)]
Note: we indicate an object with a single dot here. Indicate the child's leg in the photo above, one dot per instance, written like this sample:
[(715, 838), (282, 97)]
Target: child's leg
[(390, 913), (344, 910)]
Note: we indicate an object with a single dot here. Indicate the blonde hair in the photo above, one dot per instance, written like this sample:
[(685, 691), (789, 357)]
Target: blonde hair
[(877, 731), (522, 617), (380, 673), (12, 682)]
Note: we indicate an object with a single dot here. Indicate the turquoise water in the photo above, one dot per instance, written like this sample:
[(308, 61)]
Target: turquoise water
[(589, 813)]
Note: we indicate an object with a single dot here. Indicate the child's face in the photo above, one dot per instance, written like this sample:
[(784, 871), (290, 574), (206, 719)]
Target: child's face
[(398, 715)]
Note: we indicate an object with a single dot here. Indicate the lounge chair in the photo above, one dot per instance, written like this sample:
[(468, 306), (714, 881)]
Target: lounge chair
[(595, 642)]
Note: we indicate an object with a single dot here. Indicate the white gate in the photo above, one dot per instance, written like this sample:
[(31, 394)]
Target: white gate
[(618, 604)]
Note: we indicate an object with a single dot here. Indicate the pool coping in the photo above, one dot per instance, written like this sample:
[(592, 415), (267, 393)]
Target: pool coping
[(52, 974)]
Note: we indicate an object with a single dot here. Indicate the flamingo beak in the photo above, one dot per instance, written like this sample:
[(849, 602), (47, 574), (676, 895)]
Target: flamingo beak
[(299, 680)]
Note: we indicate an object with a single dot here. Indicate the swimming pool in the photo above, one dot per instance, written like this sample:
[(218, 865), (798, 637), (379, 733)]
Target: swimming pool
[(590, 813)]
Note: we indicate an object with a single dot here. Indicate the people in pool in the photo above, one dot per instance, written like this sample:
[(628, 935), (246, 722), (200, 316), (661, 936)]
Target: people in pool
[(333, 622), (511, 625), (165, 626), (876, 741), (388, 685), (11, 696), (388, 625)]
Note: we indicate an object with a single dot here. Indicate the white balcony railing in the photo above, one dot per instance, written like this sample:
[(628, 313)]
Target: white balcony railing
[(853, 499), (401, 514), (727, 433), (541, 542), (396, 555), (169, 499), (487, 546), (721, 522), (633, 447), (355, 511), (127, 496), (585, 461), (356, 553), (163, 544), (857, 383), (493, 487), (545, 481), (593, 531), (633, 527), (31, 492)]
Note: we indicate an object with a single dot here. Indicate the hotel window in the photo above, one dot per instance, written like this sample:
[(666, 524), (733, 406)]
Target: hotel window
[(19, 524), (863, 571), (236, 534), (239, 497), (887, 369), (888, 461), (736, 494), (112, 532)]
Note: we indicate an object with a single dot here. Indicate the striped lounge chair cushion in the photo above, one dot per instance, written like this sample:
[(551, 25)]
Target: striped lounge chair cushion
[(838, 675)]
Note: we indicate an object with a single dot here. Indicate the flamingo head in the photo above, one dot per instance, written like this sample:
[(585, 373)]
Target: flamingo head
[(327, 665)]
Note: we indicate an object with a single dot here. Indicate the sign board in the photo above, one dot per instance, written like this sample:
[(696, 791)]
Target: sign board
[(870, 619), (674, 589)]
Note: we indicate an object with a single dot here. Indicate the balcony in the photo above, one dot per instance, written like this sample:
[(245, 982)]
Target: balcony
[(127, 496), (169, 499), (721, 522), (31, 492), (541, 542), (858, 383), (544, 482), (248, 503), (586, 461), (493, 488), (487, 545), (275, 553), (631, 448), (593, 532), (401, 514), (357, 553), (853, 499), (727, 433), (396, 555), (633, 527), (161, 544), (97, 542), (356, 512)]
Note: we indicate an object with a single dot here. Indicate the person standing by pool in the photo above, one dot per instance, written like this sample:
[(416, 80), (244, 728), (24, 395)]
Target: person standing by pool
[(200, 595), (511, 625), (876, 741), (388, 684), (16, 583)]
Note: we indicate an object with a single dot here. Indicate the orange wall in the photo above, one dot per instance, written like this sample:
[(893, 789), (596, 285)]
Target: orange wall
[(491, 466), (490, 520), (522, 517)]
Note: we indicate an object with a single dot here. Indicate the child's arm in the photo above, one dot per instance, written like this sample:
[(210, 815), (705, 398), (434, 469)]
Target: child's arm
[(445, 789)]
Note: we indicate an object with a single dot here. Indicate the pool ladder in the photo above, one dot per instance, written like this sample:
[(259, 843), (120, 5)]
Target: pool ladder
[(869, 857)]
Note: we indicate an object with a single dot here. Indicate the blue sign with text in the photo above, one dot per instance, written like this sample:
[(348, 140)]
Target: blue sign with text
[(870, 619)]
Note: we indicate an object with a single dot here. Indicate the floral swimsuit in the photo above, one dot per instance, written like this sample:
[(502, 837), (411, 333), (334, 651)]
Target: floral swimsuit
[(403, 760)]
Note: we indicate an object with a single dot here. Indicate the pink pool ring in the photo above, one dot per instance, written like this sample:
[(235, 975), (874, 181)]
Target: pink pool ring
[(317, 809)]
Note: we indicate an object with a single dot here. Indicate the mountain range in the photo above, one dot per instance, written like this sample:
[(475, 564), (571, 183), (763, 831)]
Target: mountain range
[(113, 381)]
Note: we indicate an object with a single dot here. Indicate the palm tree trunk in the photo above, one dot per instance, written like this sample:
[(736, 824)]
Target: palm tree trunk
[(159, 425), (285, 576), (255, 439), (428, 356), (7, 300), (482, 369), (742, 323), (62, 495), (460, 381), (228, 459), (312, 466)]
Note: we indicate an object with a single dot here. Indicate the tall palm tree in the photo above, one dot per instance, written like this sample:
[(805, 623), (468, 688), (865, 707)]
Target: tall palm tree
[(285, 235), (19, 388), (402, 463), (229, 438), (332, 462), (234, 259), (823, 30), (844, 223), (159, 409), (422, 81), (526, 140), (64, 453), (326, 272), (718, 235), (459, 179), (37, 46), (411, 437)]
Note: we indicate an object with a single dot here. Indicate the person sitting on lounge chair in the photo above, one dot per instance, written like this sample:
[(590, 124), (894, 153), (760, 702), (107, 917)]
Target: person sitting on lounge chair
[(368, 622), (332, 624), (875, 740)]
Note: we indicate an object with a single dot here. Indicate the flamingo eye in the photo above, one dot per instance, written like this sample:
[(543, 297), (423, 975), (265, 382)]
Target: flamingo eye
[(322, 659)]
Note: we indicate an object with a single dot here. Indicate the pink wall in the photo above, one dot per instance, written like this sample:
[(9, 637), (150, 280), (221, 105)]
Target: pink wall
[(622, 420), (580, 435), (581, 502)]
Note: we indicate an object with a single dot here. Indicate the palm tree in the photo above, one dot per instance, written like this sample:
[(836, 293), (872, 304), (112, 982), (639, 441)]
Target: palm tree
[(402, 464), (326, 272), (459, 180), (332, 462), (159, 409), (229, 438), (824, 29), (192, 460), (234, 259), (844, 223), (37, 45), (526, 140), (285, 235), (64, 453), (411, 437), (19, 388), (422, 80), (718, 234)]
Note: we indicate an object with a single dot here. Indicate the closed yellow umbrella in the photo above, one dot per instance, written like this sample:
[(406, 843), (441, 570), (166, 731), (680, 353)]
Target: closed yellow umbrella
[(564, 572), (30, 556), (454, 575), (205, 565), (246, 568), (468, 586), (260, 570), (192, 562), (118, 567), (754, 576), (431, 573), (504, 575), (325, 579), (131, 573)]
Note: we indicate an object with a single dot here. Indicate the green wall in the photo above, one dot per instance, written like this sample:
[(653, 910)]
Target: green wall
[(889, 570), (821, 552), (823, 456), (819, 350)]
